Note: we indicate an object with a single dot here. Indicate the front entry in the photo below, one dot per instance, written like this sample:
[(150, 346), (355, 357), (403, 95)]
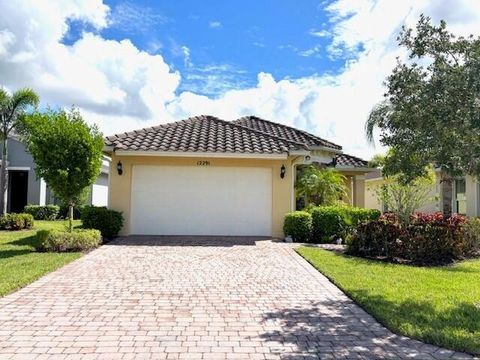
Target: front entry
[(17, 190)]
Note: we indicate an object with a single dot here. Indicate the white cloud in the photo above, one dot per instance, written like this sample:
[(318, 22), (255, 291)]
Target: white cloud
[(320, 33), (122, 88), (133, 18), (104, 76), (314, 51), (215, 24)]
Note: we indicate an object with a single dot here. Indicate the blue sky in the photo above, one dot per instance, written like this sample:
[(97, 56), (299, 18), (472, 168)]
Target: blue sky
[(126, 64), (225, 39)]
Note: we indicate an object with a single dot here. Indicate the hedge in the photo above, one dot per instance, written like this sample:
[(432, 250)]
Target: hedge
[(427, 239), (62, 241), (109, 222), (14, 221), (42, 212), (298, 225), (333, 222)]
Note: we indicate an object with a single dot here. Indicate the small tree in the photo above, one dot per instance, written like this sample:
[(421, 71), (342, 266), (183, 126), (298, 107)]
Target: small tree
[(321, 186), (405, 199), (12, 110), (67, 153), (431, 111)]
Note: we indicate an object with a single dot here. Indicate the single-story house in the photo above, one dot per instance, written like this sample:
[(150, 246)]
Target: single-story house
[(207, 176), (24, 187), (465, 200)]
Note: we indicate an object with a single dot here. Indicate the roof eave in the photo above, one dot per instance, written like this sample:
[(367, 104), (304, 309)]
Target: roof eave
[(355, 168), (326, 148), (197, 154)]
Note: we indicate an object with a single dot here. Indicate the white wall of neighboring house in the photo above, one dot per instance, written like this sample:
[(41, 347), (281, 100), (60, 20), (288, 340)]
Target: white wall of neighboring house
[(466, 196), (100, 191)]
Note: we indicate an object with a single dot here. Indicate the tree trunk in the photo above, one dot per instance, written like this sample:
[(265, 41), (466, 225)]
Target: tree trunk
[(446, 194), (4, 178), (70, 217)]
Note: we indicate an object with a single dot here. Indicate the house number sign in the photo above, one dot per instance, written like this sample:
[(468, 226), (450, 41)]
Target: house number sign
[(203, 163)]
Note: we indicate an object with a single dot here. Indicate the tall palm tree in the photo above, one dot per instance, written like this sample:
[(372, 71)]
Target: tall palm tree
[(12, 109)]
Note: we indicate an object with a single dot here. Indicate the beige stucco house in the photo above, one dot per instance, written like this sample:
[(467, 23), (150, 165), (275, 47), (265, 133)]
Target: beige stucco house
[(207, 176), (466, 194)]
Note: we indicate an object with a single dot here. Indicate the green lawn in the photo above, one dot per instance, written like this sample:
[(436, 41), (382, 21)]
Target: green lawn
[(439, 305), (20, 264)]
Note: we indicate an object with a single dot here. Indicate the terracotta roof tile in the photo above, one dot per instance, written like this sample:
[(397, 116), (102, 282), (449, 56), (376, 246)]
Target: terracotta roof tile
[(202, 134), (285, 132), (349, 160)]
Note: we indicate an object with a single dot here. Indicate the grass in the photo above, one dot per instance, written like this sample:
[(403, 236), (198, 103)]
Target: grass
[(20, 264), (438, 305)]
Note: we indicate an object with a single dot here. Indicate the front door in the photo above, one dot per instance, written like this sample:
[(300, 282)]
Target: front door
[(18, 189)]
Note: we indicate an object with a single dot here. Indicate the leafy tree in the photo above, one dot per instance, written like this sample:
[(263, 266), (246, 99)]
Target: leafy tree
[(431, 109), (404, 199), (67, 153), (321, 186), (12, 110)]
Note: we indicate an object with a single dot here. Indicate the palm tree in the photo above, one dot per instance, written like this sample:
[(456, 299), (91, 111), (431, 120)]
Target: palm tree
[(12, 109), (321, 186)]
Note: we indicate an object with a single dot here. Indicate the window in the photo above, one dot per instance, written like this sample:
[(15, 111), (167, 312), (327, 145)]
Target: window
[(460, 196)]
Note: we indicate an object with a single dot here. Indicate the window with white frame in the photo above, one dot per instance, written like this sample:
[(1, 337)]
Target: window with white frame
[(460, 199)]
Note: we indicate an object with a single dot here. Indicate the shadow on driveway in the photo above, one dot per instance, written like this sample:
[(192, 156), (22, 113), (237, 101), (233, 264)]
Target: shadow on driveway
[(169, 240)]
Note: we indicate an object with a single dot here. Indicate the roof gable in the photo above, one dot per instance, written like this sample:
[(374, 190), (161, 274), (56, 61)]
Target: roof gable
[(285, 132)]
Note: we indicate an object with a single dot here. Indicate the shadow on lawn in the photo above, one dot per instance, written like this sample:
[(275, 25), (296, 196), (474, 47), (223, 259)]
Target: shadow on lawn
[(328, 328)]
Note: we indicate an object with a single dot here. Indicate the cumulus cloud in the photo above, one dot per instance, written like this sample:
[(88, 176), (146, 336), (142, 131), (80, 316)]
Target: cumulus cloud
[(122, 88), (105, 76)]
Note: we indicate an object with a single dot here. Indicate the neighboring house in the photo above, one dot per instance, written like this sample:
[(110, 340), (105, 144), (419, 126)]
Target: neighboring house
[(25, 188), (466, 195), (207, 176)]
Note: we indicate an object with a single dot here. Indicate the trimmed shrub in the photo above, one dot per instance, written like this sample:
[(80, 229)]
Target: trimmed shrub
[(471, 237), (14, 221), (333, 222), (42, 212), (427, 239), (63, 241), (298, 225), (328, 223), (109, 222), (377, 238)]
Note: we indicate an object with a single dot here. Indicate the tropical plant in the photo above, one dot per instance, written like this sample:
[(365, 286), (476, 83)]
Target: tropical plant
[(404, 199), (431, 110), (321, 186), (67, 153), (13, 108)]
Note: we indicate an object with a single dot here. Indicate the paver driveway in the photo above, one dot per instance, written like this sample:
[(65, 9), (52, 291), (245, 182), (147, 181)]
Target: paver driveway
[(162, 298)]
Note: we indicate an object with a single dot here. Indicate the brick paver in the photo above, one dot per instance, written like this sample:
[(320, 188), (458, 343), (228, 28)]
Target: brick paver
[(193, 298)]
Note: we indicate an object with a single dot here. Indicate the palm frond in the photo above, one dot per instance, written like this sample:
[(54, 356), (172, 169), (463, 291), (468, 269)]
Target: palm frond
[(376, 117)]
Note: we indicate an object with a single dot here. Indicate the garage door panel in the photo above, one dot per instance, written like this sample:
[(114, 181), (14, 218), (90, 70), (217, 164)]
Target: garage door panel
[(180, 200)]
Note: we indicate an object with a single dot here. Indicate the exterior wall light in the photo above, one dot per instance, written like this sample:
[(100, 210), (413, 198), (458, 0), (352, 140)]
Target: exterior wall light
[(282, 171), (119, 168)]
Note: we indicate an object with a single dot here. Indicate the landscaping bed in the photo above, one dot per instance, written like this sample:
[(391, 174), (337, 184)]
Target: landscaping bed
[(438, 305), (21, 264)]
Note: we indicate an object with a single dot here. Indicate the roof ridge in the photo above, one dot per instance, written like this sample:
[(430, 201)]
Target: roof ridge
[(289, 127), (305, 146)]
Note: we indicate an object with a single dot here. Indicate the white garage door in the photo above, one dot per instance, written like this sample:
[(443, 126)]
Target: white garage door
[(203, 200)]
